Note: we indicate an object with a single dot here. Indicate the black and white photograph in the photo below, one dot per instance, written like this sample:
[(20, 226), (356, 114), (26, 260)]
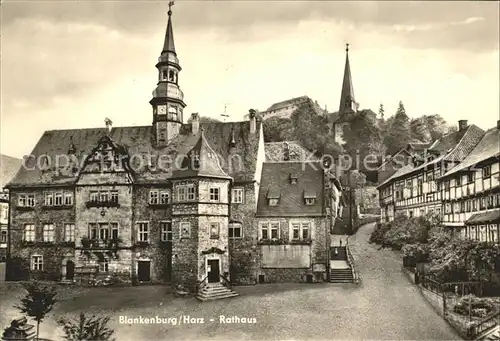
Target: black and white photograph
[(249, 170)]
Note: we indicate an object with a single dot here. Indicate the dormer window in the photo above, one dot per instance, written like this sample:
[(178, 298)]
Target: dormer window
[(273, 202), (293, 178), (309, 198), (273, 196)]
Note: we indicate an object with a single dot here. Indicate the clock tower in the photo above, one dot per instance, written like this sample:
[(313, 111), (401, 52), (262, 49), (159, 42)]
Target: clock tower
[(168, 99)]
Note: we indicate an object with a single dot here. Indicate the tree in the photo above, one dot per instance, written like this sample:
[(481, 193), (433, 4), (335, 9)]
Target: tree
[(277, 129), (38, 302), (420, 130), (399, 134), (437, 126), (381, 111), (93, 328), (362, 138)]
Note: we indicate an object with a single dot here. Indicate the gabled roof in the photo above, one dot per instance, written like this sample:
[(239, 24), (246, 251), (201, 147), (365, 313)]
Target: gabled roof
[(8, 168), (201, 161), (452, 147), (291, 200), (488, 147), (238, 161)]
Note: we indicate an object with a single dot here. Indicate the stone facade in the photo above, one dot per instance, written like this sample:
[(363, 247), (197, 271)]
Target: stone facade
[(299, 269)]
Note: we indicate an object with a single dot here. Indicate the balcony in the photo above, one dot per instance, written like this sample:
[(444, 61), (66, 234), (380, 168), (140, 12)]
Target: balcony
[(107, 204), (100, 243)]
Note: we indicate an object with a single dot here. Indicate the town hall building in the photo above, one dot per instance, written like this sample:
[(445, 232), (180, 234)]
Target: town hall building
[(169, 202)]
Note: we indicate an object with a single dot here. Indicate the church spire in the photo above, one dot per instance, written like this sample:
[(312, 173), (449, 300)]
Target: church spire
[(169, 45), (347, 100)]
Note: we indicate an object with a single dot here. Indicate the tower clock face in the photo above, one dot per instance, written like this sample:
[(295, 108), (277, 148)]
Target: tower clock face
[(162, 110)]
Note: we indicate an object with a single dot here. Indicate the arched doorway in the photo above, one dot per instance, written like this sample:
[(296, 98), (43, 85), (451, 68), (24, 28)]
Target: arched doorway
[(70, 270)]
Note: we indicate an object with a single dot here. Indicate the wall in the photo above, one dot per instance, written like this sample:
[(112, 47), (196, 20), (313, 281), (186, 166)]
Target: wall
[(53, 253), (286, 256), (243, 251), (297, 268)]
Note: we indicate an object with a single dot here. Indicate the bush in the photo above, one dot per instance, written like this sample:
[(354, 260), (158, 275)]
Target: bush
[(379, 232), (479, 307), (403, 230)]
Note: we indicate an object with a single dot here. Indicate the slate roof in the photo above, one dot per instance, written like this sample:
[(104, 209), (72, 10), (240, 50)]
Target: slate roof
[(484, 217), (8, 168), (138, 142), (201, 161), (488, 147), (451, 147), (291, 204)]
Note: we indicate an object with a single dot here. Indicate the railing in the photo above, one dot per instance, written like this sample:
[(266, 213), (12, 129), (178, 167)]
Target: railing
[(430, 284), (201, 284), (226, 282), (483, 325), (352, 263)]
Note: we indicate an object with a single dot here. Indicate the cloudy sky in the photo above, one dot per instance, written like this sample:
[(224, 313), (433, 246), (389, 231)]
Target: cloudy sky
[(70, 64)]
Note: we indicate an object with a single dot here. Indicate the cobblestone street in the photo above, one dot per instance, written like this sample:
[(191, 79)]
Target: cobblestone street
[(384, 306)]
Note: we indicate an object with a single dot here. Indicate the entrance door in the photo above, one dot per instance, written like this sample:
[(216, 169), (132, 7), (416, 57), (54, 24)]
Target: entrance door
[(213, 270), (70, 270), (143, 271)]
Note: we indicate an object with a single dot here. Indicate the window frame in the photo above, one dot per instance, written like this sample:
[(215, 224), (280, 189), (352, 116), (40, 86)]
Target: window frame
[(233, 227), (216, 234), (214, 194), (183, 235), (166, 231), (71, 227), (48, 233), (486, 172), (36, 262), (268, 227), (143, 235), (237, 195)]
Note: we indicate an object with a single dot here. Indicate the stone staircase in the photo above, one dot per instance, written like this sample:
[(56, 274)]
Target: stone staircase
[(341, 276), (214, 291)]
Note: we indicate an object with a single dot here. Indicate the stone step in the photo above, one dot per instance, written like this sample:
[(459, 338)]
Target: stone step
[(213, 290), (218, 297)]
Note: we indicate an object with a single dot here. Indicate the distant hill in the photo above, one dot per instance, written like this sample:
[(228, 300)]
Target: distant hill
[(8, 168)]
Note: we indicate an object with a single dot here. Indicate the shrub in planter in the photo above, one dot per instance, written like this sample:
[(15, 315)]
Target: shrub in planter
[(480, 307)]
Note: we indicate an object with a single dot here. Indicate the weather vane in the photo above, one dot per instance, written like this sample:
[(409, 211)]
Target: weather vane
[(347, 47), (170, 4)]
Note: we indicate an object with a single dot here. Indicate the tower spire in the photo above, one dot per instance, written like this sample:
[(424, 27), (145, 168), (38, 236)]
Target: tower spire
[(347, 100), (169, 45), (168, 99)]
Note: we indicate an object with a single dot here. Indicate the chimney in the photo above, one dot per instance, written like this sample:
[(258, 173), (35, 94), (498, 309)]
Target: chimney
[(498, 124), (462, 124), (195, 123), (253, 121), (109, 124)]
